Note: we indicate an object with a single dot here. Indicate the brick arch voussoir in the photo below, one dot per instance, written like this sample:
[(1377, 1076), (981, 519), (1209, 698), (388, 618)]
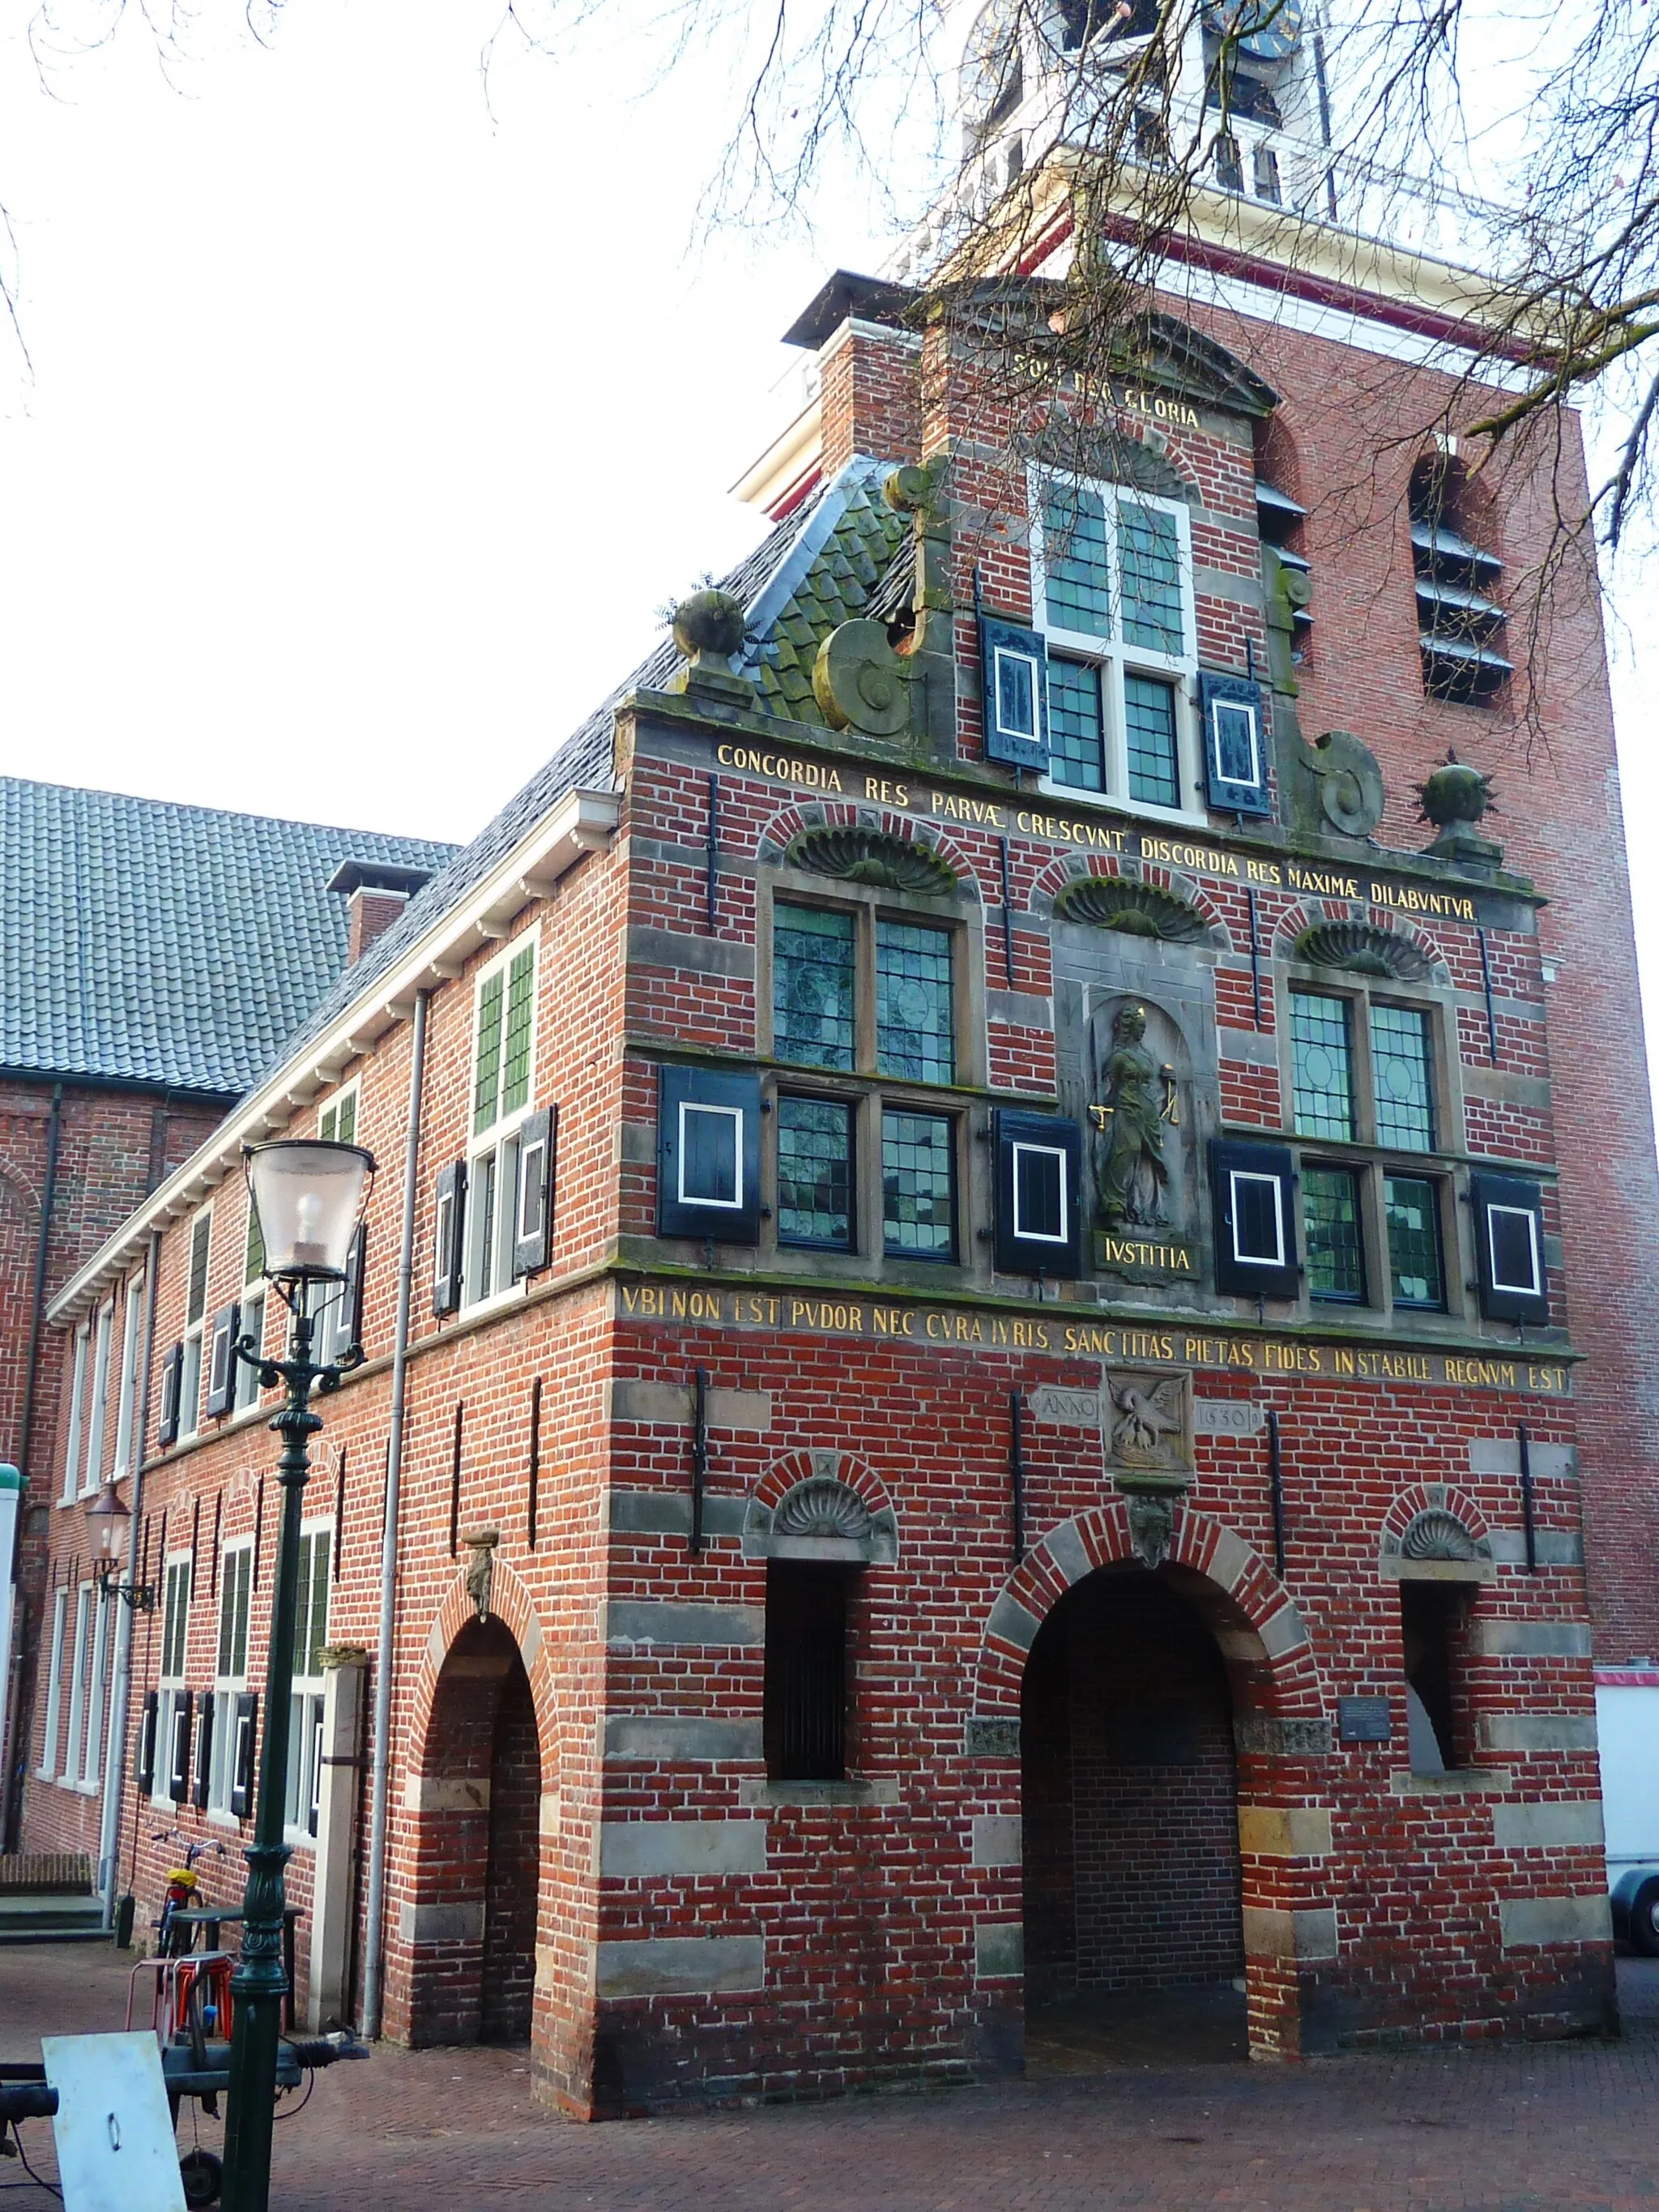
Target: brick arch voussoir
[(1310, 912), (1100, 1538), (511, 1604), (850, 813), (804, 1465), (1423, 1497), (18, 1181), (1074, 868)]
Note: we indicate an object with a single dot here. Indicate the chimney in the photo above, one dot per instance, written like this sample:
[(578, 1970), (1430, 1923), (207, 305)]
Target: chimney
[(376, 892)]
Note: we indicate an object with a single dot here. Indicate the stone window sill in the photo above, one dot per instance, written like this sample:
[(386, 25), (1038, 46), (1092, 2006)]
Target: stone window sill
[(805, 1794), (1456, 1782)]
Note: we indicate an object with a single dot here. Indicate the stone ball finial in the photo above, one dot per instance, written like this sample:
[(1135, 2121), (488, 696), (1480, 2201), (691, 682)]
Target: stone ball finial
[(710, 620), (1455, 792)]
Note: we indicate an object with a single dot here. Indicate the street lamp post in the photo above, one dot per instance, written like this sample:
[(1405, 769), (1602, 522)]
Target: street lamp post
[(309, 1196)]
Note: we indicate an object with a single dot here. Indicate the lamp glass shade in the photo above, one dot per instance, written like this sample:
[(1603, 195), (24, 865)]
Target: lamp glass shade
[(111, 1522), (309, 1195)]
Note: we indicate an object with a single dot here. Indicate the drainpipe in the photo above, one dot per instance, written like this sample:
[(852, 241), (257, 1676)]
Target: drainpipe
[(115, 1764), (379, 1771), (10, 1797)]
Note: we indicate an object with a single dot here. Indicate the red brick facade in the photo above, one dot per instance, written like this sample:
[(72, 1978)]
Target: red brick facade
[(1213, 1762)]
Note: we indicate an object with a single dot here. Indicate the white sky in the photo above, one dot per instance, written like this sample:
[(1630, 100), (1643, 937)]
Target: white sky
[(368, 430)]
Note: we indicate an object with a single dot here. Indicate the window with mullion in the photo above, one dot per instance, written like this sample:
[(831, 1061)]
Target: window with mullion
[(1416, 1268), (915, 1021), (815, 1173), (1401, 1078), (502, 1051), (1321, 1063), (814, 986), (1114, 595), (918, 1185), (1331, 1224)]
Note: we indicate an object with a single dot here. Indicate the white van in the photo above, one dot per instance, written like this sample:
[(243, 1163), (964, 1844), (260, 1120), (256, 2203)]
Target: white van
[(1627, 1720)]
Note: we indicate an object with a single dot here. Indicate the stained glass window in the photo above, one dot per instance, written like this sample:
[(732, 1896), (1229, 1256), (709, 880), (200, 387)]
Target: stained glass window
[(815, 1172), (1321, 1066), (812, 986), (1330, 1213), (1074, 732), (1412, 1204), (1149, 718), (918, 1184), (915, 1017), (1400, 1060)]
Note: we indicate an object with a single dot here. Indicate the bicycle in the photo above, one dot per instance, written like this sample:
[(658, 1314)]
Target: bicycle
[(183, 1885)]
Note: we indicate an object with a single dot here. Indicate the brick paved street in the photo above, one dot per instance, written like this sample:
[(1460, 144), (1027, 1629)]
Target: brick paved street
[(1495, 2130)]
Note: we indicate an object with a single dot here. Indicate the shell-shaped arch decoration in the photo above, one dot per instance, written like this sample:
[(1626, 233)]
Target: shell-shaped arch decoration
[(1437, 1535), (1363, 948), (1138, 909), (859, 855), (821, 1517), (860, 682)]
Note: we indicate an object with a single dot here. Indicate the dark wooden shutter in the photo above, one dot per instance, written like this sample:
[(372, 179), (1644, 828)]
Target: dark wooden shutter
[(1509, 1242), (709, 1154), (346, 1318), (1256, 1219), (221, 1359), (1013, 666), (1039, 1175), (201, 1785), (166, 1418), (1235, 744), (149, 1719), (532, 1223), (245, 1721), (179, 1720), (449, 1207)]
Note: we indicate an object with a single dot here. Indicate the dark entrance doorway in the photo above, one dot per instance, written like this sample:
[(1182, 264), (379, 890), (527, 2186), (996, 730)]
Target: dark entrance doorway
[(1134, 1945), (479, 1855)]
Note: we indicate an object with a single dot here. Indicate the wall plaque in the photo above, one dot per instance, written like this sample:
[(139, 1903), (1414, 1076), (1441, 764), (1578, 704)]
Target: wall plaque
[(1228, 1417), (1064, 1409), (1363, 1720)]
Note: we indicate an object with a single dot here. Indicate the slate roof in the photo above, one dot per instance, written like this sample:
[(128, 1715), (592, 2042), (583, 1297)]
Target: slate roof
[(813, 571), (174, 945)]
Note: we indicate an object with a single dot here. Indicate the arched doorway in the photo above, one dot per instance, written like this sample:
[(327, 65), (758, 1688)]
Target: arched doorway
[(1134, 1946), (478, 1854)]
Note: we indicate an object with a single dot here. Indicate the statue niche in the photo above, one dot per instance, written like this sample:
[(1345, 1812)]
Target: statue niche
[(1138, 1098), (1141, 1145)]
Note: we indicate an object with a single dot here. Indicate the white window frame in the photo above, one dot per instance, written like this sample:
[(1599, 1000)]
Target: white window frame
[(170, 1679), (80, 1651), (1237, 1175), (92, 1474), (1056, 1153), (229, 1687), (72, 1443), (190, 1373), (302, 1786), (330, 1114), (92, 1738), (733, 1114), (1530, 1290), (126, 1391), (492, 1154), (249, 1321), (1115, 659), (48, 1769)]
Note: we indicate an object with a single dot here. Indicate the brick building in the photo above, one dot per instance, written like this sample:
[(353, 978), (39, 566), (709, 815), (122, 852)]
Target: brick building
[(155, 958), (997, 1291)]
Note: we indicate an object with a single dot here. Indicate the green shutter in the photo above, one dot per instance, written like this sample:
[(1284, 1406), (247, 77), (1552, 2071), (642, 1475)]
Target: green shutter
[(254, 1264), (346, 1130), (521, 998), (487, 1078)]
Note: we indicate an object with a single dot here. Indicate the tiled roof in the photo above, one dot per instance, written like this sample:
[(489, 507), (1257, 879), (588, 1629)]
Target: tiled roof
[(177, 945)]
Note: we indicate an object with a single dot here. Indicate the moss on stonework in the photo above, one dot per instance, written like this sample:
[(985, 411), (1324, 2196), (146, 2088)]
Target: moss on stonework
[(840, 585)]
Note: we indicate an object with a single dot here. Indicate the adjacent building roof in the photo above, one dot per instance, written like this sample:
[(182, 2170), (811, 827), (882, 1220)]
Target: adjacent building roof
[(174, 945)]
